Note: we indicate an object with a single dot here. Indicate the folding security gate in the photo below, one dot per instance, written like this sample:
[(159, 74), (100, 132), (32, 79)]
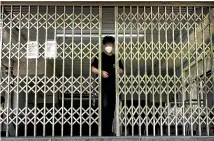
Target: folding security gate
[(168, 82)]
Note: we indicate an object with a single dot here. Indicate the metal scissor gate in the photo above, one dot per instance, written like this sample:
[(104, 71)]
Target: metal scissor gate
[(46, 52)]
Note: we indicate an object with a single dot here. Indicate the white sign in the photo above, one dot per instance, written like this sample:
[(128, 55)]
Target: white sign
[(50, 49), (32, 49)]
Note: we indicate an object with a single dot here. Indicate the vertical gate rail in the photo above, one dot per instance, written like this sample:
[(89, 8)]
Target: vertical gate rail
[(1, 42), (211, 25)]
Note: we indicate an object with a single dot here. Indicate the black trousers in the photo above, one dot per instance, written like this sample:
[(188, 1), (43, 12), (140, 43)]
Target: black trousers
[(108, 108)]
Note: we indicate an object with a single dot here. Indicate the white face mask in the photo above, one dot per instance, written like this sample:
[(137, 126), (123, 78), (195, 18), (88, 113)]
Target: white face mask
[(108, 49)]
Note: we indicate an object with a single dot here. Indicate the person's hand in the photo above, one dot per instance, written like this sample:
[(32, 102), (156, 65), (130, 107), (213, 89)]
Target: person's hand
[(120, 70), (105, 74)]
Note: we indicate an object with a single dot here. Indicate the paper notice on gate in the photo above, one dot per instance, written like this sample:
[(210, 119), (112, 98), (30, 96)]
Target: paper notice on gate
[(32, 49), (50, 49)]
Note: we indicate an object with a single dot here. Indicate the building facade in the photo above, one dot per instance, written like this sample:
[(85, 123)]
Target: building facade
[(167, 88)]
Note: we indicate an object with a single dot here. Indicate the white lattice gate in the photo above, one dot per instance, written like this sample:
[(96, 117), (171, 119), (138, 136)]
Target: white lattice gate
[(168, 81)]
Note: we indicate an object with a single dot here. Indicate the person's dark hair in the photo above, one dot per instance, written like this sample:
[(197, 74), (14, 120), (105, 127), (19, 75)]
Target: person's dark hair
[(108, 40)]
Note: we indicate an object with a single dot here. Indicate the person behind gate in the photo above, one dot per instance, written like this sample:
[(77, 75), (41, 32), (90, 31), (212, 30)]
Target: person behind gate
[(108, 83)]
